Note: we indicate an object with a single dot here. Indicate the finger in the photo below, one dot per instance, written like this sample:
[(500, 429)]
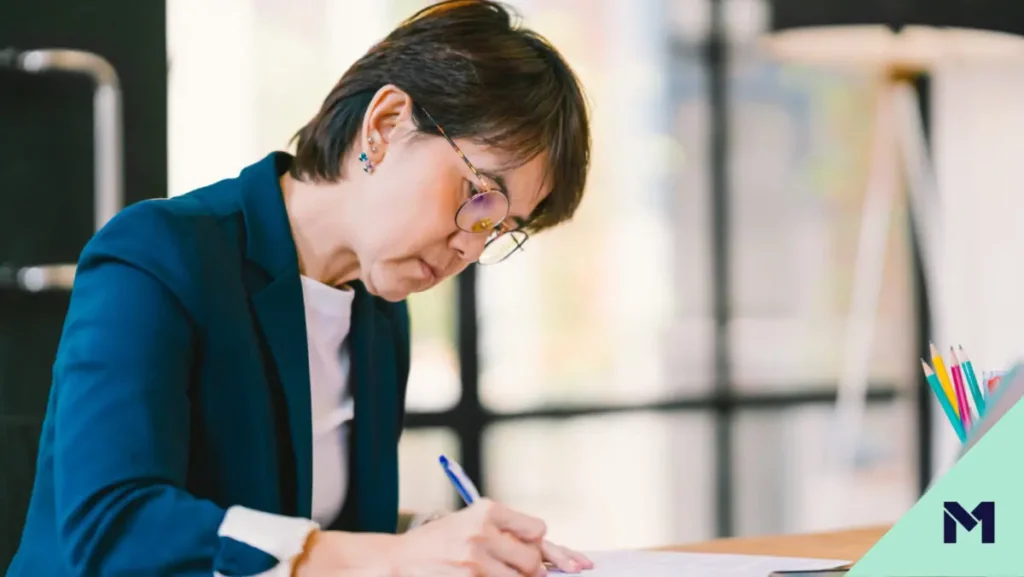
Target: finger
[(491, 567), (560, 557), (525, 558), (582, 559), (525, 527)]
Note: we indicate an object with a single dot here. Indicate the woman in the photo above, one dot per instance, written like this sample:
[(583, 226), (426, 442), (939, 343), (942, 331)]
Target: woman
[(229, 388)]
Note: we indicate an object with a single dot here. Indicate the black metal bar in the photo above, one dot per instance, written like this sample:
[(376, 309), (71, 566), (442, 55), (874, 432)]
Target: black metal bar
[(468, 418), (718, 103), (717, 403), (923, 396)]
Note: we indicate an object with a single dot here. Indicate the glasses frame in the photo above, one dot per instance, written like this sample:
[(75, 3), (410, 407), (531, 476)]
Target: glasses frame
[(518, 235)]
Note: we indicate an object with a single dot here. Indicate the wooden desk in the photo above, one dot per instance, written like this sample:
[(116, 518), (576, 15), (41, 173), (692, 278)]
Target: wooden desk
[(849, 544)]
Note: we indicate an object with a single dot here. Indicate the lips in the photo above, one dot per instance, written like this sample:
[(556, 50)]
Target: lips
[(429, 272)]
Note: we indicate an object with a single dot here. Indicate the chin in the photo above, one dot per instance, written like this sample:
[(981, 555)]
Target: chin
[(395, 288), (386, 290), (395, 292)]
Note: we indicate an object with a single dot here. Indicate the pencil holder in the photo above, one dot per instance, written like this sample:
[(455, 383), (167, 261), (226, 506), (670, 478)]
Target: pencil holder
[(992, 380)]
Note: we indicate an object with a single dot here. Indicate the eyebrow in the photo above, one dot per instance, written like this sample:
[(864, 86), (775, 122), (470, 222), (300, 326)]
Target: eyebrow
[(497, 178)]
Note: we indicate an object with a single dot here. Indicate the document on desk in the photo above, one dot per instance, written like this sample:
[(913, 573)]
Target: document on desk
[(667, 564)]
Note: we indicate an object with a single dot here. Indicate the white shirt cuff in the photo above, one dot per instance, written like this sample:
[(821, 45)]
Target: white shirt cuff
[(277, 535)]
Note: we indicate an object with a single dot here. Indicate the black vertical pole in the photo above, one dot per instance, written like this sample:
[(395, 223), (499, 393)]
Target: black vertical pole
[(718, 102), (923, 395), (469, 421)]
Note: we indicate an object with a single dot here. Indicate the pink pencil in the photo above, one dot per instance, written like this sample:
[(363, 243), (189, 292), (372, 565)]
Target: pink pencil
[(961, 391)]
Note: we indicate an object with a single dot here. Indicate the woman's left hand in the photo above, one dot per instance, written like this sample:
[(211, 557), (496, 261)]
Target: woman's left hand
[(565, 559)]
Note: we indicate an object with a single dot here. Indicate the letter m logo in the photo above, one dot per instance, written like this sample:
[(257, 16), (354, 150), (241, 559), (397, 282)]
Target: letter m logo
[(954, 514)]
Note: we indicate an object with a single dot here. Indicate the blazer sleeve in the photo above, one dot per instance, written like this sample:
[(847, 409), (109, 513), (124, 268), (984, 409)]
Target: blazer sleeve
[(121, 423)]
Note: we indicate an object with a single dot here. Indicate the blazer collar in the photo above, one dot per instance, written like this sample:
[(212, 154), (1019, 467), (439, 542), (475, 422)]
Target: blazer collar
[(269, 241)]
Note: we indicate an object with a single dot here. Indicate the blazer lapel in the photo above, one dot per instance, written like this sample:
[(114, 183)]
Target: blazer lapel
[(374, 459), (279, 308), (277, 301)]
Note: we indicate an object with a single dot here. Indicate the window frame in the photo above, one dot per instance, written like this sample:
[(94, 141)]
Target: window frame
[(470, 419)]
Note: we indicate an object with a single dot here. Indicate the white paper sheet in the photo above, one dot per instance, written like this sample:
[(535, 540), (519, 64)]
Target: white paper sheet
[(659, 564)]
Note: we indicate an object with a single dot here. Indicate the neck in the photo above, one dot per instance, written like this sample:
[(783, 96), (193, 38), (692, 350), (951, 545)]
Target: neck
[(324, 252)]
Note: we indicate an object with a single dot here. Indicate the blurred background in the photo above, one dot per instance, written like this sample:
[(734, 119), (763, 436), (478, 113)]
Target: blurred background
[(665, 368)]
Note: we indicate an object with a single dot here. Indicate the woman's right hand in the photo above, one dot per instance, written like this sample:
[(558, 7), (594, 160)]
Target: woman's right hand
[(484, 540)]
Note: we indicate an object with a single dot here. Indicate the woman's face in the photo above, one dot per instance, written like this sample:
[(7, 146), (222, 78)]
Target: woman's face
[(407, 239)]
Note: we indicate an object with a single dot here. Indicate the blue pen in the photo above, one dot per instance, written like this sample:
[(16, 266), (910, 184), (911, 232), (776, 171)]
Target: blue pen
[(467, 490)]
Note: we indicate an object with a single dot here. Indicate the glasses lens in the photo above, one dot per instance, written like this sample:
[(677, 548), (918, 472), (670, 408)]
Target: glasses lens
[(502, 247), (483, 212)]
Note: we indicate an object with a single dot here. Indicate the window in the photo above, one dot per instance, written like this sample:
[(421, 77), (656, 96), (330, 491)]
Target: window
[(434, 368)]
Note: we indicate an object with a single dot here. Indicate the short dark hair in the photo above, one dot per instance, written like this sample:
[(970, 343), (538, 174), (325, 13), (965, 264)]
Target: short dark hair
[(482, 77)]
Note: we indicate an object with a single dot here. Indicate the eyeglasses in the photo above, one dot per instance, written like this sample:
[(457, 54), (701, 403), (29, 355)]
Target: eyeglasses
[(486, 211)]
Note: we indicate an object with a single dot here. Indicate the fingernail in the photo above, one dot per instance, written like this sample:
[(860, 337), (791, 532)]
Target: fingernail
[(574, 566)]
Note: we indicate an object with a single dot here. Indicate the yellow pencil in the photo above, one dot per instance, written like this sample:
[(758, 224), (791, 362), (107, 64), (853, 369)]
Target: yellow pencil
[(943, 374)]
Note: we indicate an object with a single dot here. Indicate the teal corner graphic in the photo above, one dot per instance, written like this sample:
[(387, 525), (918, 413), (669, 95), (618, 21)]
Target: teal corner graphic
[(970, 522)]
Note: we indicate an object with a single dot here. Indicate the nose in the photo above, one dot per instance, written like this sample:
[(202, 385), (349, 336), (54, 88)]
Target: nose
[(469, 246)]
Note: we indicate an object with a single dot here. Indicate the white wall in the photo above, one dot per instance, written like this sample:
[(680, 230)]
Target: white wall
[(978, 124), (246, 74)]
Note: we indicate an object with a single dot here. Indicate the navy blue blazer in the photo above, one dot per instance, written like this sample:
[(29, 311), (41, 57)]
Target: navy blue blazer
[(181, 387)]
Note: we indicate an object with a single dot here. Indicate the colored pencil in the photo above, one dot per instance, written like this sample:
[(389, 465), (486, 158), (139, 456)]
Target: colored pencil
[(972, 382), (961, 391), (943, 376), (940, 395)]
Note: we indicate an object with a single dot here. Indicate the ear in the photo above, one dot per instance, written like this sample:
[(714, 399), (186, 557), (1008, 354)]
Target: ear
[(387, 117)]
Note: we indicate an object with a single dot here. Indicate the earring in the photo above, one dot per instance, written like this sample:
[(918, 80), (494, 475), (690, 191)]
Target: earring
[(367, 165), (370, 142)]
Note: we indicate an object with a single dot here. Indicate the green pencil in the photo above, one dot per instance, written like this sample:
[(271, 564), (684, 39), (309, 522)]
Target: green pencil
[(972, 382), (940, 394)]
